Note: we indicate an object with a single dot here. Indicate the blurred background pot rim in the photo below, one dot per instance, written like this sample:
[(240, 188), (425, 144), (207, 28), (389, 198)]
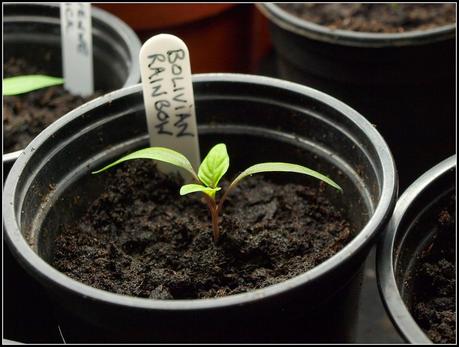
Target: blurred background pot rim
[(387, 283), (314, 31), (381, 213)]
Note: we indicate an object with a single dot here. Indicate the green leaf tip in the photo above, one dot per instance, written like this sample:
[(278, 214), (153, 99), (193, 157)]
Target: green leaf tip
[(285, 167), (28, 83), (214, 166), (162, 154)]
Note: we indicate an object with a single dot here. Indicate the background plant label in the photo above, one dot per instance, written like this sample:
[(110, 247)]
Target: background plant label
[(77, 59), (169, 100)]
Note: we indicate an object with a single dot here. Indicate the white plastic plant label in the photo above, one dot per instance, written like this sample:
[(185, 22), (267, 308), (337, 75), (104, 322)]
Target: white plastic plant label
[(169, 100), (77, 57)]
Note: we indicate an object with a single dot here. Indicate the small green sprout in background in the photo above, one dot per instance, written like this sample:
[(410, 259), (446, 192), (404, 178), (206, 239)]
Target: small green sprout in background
[(395, 6), (212, 169), (28, 83)]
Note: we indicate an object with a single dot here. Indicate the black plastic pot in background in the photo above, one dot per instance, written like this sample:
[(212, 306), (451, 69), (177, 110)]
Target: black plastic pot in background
[(406, 237), (402, 83), (32, 31), (259, 119)]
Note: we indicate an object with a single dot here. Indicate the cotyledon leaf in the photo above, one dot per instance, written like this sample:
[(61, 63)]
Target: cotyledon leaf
[(284, 167), (163, 154), (28, 83)]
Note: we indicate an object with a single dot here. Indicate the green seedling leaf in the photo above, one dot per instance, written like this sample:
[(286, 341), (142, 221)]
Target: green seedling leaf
[(165, 155), (193, 188), (284, 167), (214, 166), (28, 83)]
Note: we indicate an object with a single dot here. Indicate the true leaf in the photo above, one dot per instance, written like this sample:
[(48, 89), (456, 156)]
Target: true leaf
[(284, 167), (193, 188), (28, 83), (163, 154), (214, 166)]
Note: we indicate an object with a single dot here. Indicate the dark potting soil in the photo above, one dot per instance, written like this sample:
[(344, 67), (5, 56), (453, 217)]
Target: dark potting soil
[(376, 18), (434, 299), (140, 238), (26, 115)]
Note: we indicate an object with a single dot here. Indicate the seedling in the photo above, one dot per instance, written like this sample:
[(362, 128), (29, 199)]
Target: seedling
[(28, 83), (212, 169)]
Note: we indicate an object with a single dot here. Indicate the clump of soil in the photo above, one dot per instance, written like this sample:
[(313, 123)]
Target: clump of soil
[(434, 300), (26, 115), (376, 18), (140, 238)]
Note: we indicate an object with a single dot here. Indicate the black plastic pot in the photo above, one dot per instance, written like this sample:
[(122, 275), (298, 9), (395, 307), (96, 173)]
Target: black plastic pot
[(406, 237), (32, 31), (403, 83), (259, 119)]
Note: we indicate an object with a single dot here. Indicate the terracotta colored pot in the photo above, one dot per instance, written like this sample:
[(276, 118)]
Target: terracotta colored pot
[(144, 17), (220, 37), (261, 40)]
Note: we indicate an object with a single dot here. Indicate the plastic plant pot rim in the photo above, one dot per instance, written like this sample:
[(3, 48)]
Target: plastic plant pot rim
[(395, 306), (318, 32), (30, 259), (126, 33)]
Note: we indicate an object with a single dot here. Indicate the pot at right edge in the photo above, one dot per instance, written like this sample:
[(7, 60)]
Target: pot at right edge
[(416, 258)]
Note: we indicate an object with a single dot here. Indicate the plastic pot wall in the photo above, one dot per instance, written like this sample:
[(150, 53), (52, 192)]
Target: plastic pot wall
[(406, 237), (404, 83), (259, 119), (32, 31)]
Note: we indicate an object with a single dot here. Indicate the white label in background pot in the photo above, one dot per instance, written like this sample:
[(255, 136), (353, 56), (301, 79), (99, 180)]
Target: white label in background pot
[(77, 59), (169, 99)]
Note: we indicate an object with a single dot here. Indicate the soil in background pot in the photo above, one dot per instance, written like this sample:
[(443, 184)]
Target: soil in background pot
[(140, 238), (26, 115), (376, 18), (434, 286)]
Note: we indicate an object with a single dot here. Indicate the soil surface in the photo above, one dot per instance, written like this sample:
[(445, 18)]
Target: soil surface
[(140, 238), (434, 306), (376, 18), (26, 115)]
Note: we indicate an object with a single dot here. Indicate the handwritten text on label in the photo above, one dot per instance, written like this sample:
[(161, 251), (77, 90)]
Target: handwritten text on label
[(158, 65)]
